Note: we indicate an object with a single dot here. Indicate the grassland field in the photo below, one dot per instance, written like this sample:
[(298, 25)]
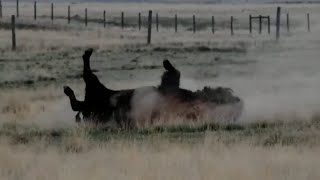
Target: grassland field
[(277, 137)]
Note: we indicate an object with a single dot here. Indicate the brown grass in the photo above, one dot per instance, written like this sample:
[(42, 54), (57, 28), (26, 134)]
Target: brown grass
[(78, 158)]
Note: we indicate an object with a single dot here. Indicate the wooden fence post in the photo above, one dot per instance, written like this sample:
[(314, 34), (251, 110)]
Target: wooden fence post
[(194, 24), (157, 22), (260, 24), (17, 8), (308, 21), (104, 19), (149, 26), (250, 24), (0, 9), (122, 20), (213, 24), (52, 12), (269, 28), (176, 22), (139, 21), (288, 23), (35, 10), (13, 27), (278, 22), (69, 14), (231, 25), (86, 17)]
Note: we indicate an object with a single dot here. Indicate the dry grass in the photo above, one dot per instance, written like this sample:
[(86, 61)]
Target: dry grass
[(80, 158), (257, 151)]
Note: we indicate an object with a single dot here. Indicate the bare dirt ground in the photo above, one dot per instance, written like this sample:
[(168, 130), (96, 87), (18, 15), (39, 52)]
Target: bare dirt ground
[(276, 138)]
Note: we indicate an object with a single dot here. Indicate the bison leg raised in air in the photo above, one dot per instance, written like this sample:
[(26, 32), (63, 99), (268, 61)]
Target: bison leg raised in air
[(93, 86), (88, 76), (96, 105), (75, 104), (170, 83), (96, 94), (170, 80)]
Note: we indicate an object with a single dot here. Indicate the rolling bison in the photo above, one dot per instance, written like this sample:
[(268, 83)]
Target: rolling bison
[(147, 106)]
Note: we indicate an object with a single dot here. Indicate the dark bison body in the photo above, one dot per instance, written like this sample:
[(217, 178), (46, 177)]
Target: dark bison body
[(150, 105)]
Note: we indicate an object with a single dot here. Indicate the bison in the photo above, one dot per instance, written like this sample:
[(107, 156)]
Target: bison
[(142, 107)]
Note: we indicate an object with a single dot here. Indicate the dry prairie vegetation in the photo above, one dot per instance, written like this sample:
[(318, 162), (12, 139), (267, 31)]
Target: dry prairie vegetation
[(277, 137), (221, 154)]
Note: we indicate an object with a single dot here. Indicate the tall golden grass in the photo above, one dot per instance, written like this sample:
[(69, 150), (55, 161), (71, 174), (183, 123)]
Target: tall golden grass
[(79, 158)]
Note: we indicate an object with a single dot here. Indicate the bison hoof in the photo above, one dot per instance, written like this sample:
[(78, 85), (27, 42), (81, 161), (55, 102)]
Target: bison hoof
[(78, 118), (88, 52), (167, 65), (68, 91)]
